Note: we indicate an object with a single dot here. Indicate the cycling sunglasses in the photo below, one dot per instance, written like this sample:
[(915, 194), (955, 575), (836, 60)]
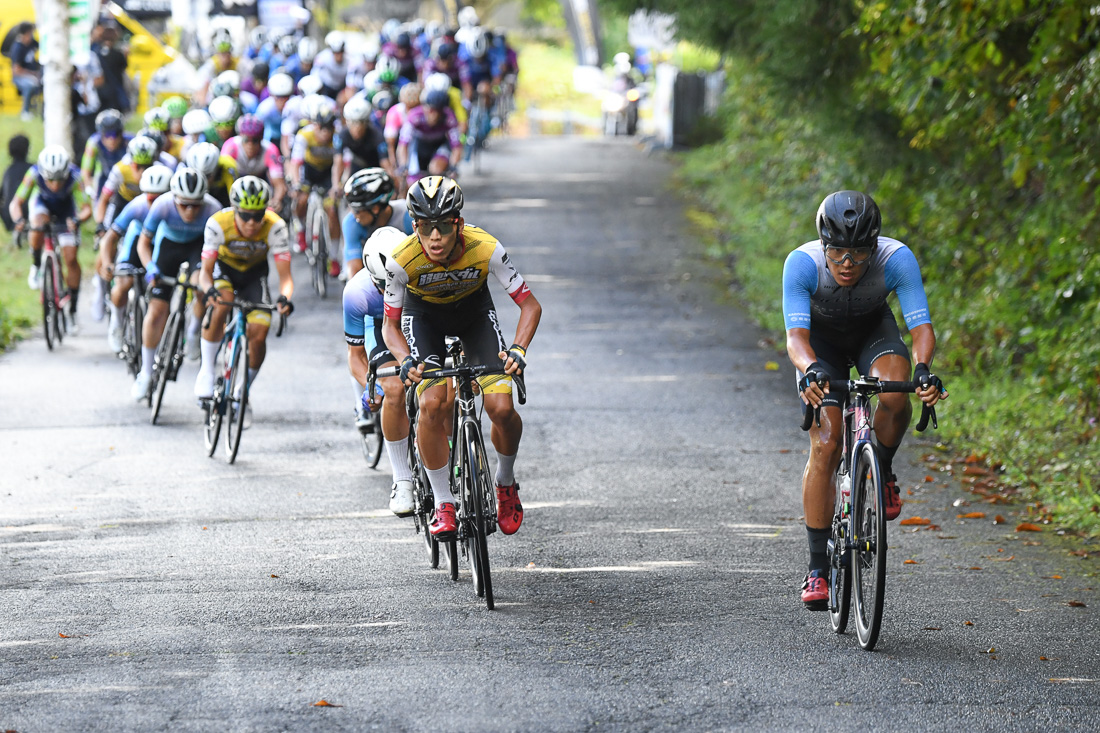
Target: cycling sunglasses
[(252, 216), (189, 205), (253, 140), (445, 226), (858, 255)]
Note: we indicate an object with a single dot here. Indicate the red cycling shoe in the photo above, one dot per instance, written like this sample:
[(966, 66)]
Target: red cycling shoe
[(815, 590), (443, 525), (509, 508), (333, 268), (893, 498)]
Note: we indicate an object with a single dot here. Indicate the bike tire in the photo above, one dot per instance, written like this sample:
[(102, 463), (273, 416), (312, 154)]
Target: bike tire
[(868, 558), (422, 495), (137, 300), (840, 577), (372, 441), (477, 491), (49, 301), (450, 549), (236, 395), (320, 251), (162, 363), (212, 428)]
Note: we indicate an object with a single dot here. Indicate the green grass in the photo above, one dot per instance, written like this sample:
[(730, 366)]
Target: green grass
[(546, 80)]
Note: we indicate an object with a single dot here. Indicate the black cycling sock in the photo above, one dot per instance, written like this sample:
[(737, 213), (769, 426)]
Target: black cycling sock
[(886, 454), (72, 299), (36, 257), (819, 542)]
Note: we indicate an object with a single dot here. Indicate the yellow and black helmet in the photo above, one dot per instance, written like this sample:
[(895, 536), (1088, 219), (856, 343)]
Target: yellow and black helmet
[(434, 197), (250, 194)]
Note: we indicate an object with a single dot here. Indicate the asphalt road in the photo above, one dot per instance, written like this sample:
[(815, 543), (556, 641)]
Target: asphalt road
[(653, 586)]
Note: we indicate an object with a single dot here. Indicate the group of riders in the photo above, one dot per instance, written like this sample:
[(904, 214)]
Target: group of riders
[(221, 181)]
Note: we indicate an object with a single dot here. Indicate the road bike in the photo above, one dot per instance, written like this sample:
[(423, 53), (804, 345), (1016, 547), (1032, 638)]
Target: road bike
[(54, 292), (857, 544), (370, 432), (468, 465), (169, 354), (133, 319), (230, 398), (506, 103), (477, 131), (318, 239)]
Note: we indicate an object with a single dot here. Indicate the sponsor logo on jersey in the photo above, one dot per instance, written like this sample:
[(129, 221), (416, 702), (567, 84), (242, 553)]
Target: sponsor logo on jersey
[(455, 276)]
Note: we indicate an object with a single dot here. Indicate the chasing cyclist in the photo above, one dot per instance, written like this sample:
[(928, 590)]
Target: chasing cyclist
[(437, 286), (836, 314), (369, 195)]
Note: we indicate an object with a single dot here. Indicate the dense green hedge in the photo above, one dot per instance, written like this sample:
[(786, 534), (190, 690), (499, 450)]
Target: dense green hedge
[(975, 126)]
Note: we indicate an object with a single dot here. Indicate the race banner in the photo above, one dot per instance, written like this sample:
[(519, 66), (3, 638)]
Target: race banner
[(242, 8), (584, 26), (146, 9)]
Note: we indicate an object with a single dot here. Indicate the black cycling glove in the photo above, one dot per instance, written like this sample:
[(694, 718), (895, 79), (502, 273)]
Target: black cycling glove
[(407, 365), (815, 374), (518, 355), (926, 378), (283, 300)]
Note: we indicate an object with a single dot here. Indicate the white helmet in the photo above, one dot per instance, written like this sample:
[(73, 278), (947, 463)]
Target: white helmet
[(307, 50), (437, 82), (257, 37), (155, 179), (477, 45), (370, 82), (54, 162), (188, 184), (434, 29), (335, 42), (224, 110), (467, 17), (196, 122), (309, 84), (622, 63), (357, 109), (280, 85), (390, 29), (378, 250), (220, 38), (231, 79), (203, 157), (387, 67), (287, 46)]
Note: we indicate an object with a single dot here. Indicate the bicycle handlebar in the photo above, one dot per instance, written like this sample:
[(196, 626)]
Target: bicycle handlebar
[(869, 387), (244, 305), (471, 371)]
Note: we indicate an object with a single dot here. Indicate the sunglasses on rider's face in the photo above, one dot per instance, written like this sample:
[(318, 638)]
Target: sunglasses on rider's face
[(110, 135), (858, 255), (251, 216), (189, 205), (444, 226), (253, 140)]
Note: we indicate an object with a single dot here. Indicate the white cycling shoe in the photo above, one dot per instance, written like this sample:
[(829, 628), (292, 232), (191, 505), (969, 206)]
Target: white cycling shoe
[(140, 389), (401, 498), (191, 348), (204, 385), (114, 335)]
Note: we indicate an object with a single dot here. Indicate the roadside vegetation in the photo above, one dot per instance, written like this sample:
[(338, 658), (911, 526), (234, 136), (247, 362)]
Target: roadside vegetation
[(975, 128)]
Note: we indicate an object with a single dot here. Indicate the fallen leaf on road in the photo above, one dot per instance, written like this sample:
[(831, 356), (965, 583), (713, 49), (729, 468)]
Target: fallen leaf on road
[(1076, 604), (1010, 558), (771, 366), (960, 502), (998, 519), (273, 575), (928, 479), (325, 704), (1028, 527), (911, 562), (971, 515), (974, 568), (1031, 543), (1043, 659), (946, 537), (974, 458), (991, 650), (968, 623), (915, 522), (1052, 577), (64, 636), (972, 470), (933, 528), (1071, 680)]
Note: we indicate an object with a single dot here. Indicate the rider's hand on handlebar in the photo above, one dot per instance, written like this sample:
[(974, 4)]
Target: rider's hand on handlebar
[(814, 385), (411, 372), (212, 295), (284, 306), (931, 390), (515, 359)]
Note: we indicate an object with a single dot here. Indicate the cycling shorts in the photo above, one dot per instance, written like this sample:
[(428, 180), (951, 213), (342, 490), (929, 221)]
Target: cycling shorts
[(127, 260), (114, 205), (62, 210), (315, 177), (248, 285), (421, 155), (170, 255), (836, 351), (379, 354), (473, 320)]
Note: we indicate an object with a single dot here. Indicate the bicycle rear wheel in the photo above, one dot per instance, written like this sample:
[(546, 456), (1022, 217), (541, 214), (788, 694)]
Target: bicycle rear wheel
[(318, 241), (236, 396), (212, 427), (49, 301), (162, 362), (868, 556), (135, 315), (840, 579), (474, 498)]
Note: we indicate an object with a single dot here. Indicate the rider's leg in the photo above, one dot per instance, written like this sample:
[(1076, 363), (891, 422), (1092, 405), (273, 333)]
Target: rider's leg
[(894, 410), (505, 434), (818, 487), (72, 273), (431, 440), (151, 329)]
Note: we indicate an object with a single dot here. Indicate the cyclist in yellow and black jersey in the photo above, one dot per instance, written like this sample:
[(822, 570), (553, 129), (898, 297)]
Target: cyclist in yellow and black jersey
[(436, 286), (311, 164)]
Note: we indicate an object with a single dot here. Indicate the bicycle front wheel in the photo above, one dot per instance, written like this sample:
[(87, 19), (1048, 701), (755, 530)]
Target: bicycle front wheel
[(475, 496), (162, 362), (840, 578), (49, 302), (236, 397), (320, 250), (868, 556), (372, 441)]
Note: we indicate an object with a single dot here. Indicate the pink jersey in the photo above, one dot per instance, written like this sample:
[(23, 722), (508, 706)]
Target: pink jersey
[(267, 165), (395, 118)]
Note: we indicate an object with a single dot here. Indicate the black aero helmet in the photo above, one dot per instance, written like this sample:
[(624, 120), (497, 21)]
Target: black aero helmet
[(368, 187), (434, 197), (109, 120), (848, 219)]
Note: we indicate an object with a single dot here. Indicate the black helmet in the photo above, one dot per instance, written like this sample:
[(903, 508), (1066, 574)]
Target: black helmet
[(368, 187), (109, 120), (434, 197), (848, 219)]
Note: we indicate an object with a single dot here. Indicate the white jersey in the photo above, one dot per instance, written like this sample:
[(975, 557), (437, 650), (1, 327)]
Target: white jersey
[(332, 73), (293, 114)]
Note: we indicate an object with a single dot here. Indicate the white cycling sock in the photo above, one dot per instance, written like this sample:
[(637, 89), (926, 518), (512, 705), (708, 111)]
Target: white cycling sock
[(252, 375), (209, 351), (395, 449), (147, 355), (116, 315), (440, 480), (194, 325), (505, 470)]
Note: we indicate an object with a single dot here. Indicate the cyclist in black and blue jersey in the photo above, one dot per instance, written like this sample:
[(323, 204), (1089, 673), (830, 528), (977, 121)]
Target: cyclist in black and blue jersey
[(172, 235), (369, 195), (835, 310), (105, 147)]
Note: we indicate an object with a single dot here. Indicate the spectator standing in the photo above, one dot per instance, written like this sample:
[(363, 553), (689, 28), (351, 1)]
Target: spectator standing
[(18, 147), (26, 72), (113, 62)]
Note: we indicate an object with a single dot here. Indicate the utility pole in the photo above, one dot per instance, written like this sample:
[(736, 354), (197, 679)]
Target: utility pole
[(53, 28)]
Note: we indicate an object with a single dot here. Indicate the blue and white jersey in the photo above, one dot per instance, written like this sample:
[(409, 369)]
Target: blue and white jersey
[(355, 234), (363, 309), (164, 221), (272, 118), (812, 297), (134, 212)]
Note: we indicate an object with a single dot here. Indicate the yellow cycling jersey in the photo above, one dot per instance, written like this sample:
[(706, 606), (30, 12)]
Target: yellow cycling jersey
[(410, 270), (227, 173), (313, 153), (222, 240), (123, 180), (175, 146)]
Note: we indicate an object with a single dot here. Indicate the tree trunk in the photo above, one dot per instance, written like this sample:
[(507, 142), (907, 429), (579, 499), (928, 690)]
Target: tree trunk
[(53, 26)]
